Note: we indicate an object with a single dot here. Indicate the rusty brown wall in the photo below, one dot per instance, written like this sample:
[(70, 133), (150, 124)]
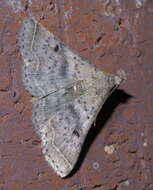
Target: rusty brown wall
[(118, 152)]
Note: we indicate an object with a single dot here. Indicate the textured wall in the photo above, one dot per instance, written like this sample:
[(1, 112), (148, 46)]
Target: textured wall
[(112, 34)]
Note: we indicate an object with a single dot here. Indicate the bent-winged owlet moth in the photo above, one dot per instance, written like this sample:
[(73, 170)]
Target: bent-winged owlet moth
[(68, 91)]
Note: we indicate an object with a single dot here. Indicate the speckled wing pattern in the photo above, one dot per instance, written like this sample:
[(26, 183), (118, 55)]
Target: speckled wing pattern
[(68, 91)]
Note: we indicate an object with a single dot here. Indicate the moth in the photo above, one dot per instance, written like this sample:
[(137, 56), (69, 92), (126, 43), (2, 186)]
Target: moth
[(68, 93)]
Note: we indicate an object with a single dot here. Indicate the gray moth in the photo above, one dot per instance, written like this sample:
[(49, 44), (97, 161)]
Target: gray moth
[(68, 93)]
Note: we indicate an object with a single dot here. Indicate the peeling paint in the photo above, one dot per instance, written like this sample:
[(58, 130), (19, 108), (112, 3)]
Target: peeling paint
[(30, 2), (67, 14), (109, 149), (95, 165), (110, 6), (125, 183), (145, 144), (139, 3), (16, 5)]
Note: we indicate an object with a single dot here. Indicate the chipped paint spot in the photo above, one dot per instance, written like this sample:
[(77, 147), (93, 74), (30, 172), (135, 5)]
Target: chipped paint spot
[(142, 134), (16, 5), (117, 2), (143, 164), (126, 183), (95, 165), (68, 13), (30, 2), (145, 144), (139, 3), (109, 149), (110, 8)]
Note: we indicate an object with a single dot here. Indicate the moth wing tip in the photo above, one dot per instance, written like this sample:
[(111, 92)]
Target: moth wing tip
[(120, 77)]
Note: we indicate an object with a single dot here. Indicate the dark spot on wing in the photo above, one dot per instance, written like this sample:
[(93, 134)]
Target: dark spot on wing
[(85, 109), (74, 112), (60, 118), (76, 133), (82, 63), (37, 105), (84, 102), (56, 48), (74, 75), (64, 66), (79, 101), (35, 113), (54, 65), (47, 41), (26, 21)]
